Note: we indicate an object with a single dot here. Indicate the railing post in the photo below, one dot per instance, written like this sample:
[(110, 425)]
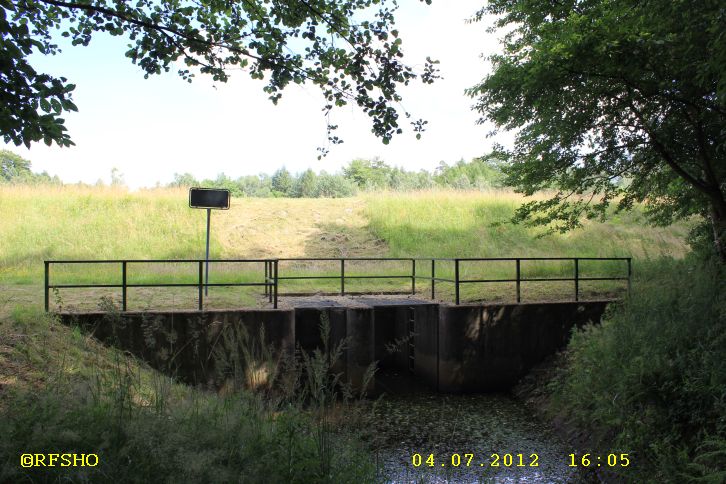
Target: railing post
[(456, 279), (274, 305), (577, 279), (123, 285), (433, 279), (47, 289), (342, 277), (413, 276), (267, 288), (201, 285), (270, 275), (630, 274), (519, 281)]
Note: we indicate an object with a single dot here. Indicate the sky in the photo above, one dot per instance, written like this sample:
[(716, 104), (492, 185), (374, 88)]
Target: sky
[(151, 128)]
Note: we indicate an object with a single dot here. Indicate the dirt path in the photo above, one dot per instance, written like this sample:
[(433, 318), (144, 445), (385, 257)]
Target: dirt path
[(254, 227)]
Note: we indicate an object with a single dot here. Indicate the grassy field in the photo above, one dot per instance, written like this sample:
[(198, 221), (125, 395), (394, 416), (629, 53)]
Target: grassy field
[(42, 223), (61, 389)]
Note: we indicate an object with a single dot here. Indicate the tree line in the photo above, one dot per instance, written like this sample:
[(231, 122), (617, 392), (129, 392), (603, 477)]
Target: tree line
[(358, 175), (16, 169)]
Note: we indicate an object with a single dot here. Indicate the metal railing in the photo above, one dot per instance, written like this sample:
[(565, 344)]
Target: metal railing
[(269, 282), (342, 276), (272, 276), (518, 280)]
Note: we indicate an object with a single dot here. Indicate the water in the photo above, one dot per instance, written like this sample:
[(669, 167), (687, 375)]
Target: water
[(422, 436)]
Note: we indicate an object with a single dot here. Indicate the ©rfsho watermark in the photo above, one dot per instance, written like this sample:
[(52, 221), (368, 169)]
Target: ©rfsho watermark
[(59, 460)]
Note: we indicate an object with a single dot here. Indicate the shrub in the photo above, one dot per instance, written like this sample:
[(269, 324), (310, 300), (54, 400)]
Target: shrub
[(652, 378)]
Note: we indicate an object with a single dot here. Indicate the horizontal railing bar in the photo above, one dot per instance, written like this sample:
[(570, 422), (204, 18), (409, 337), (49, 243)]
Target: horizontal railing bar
[(603, 278), (440, 279), (344, 258), (153, 261), (474, 259), (337, 293), (483, 259), (547, 279), (300, 259), (211, 284), (220, 284), (61, 286), (428, 278), (285, 278), (375, 277), (462, 281), (345, 277)]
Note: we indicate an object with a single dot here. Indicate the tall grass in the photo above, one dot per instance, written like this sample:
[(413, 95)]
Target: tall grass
[(652, 379), (145, 427), (111, 223), (71, 222), (472, 224), (93, 223)]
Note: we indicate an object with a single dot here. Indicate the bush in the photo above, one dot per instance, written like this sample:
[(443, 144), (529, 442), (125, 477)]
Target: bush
[(651, 380)]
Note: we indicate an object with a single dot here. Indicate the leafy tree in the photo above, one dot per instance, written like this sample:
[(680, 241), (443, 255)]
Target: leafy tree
[(297, 41), (368, 174), (282, 182), (478, 173), (602, 90), (16, 169), (308, 184), (255, 186), (334, 186), (13, 167), (117, 178), (184, 180)]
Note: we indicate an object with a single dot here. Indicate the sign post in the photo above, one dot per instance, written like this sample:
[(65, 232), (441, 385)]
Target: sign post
[(209, 198)]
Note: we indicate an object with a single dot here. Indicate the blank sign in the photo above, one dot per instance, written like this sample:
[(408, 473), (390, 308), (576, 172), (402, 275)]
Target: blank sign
[(208, 198)]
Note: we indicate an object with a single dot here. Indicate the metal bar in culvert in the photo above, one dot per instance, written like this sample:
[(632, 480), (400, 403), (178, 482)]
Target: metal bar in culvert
[(267, 288)]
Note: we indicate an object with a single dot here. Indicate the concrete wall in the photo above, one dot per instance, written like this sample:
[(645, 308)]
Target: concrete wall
[(426, 342), (467, 348), (490, 347), (200, 348)]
